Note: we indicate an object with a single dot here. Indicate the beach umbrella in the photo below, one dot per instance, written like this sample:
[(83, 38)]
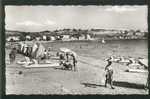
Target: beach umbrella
[(66, 50), (74, 53), (144, 62)]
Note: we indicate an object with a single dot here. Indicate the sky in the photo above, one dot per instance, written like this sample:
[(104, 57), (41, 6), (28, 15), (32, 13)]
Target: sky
[(40, 18)]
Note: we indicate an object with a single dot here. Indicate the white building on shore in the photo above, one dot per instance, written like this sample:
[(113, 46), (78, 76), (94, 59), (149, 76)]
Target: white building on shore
[(12, 38)]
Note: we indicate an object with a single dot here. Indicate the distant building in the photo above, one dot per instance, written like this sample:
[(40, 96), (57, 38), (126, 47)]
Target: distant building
[(12, 38), (44, 37), (89, 37), (66, 37), (28, 37), (140, 34), (52, 38), (73, 38), (38, 38), (82, 38), (130, 33)]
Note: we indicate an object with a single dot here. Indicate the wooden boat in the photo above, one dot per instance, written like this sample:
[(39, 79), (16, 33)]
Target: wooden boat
[(144, 62), (137, 70)]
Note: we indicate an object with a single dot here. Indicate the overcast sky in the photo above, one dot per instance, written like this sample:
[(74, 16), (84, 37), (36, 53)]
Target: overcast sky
[(39, 18)]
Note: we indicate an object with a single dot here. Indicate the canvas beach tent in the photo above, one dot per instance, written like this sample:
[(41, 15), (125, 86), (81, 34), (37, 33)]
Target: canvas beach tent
[(40, 51)]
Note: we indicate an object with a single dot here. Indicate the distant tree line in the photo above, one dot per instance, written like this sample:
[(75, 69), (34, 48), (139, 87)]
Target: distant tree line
[(76, 33)]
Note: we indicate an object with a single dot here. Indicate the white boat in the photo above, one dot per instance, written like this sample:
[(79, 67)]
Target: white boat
[(144, 62), (137, 70)]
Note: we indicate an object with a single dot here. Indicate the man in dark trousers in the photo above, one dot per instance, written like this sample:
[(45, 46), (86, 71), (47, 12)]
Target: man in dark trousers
[(74, 62), (147, 85), (109, 73), (12, 55)]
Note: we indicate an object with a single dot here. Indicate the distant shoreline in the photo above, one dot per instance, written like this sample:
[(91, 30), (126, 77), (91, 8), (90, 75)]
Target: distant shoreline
[(84, 40)]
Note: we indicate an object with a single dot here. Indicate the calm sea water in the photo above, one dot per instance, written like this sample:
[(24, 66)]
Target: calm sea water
[(133, 48)]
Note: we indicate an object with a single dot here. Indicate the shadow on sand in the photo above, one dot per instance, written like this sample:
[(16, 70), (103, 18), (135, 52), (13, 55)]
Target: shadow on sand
[(92, 85), (119, 84), (60, 68), (128, 85)]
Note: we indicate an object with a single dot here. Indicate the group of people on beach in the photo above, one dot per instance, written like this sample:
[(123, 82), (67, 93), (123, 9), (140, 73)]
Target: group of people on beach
[(29, 51), (64, 60), (37, 52), (68, 61)]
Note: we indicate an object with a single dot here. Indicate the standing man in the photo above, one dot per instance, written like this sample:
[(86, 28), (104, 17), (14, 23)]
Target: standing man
[(67, 56), (147, 85), (109, 73), (74, 61)]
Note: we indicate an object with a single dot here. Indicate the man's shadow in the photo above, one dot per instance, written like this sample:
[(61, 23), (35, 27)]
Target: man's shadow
[(117, 83), (92, 85), (128, 85), (61, 68)]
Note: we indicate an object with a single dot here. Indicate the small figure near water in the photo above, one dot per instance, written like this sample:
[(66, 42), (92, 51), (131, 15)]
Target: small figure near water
[(103, 41)]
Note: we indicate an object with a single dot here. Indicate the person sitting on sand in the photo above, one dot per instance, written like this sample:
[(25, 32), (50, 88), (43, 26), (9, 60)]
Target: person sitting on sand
[(67, 65), (109, 74)]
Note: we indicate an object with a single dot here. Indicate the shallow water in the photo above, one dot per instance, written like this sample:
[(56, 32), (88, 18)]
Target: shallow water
[(134, 48)]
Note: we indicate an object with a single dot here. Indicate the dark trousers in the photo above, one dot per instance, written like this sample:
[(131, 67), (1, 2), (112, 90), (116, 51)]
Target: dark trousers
[(109, 80), (74, 65), (12, 57)]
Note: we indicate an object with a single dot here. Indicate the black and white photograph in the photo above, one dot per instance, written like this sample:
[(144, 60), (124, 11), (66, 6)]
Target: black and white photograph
[(76, 50)]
